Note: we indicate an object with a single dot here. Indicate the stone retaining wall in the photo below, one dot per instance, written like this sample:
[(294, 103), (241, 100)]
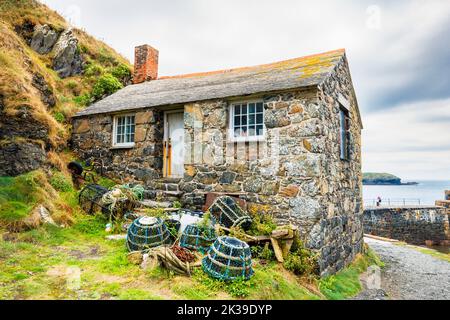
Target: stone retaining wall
[(412, 225)]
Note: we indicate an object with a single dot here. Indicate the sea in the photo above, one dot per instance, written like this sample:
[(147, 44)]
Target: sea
[(424, 193)]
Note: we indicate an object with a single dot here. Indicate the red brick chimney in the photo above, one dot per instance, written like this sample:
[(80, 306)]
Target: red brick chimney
[(145, 64)]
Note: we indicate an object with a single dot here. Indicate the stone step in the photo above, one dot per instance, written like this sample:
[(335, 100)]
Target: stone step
[(156, 204), (163, 195), (170, 180)]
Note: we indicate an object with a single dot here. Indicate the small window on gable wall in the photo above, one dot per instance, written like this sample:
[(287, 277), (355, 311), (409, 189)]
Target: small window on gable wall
[(124, 131), (345, 136), (247, 121)]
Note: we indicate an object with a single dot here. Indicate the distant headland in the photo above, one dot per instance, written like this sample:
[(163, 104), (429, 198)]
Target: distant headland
[(373, 178)]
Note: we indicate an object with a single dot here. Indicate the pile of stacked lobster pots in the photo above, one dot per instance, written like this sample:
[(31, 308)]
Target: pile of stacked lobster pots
[(185, 239), (178, 240)]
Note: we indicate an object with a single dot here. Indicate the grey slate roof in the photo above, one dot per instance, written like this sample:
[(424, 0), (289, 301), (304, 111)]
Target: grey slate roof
[(290, 74)]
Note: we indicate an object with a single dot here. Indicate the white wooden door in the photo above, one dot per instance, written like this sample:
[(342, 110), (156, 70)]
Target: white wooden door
[(174, 145)]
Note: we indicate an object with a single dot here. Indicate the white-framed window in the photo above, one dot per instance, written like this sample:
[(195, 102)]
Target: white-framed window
[(247, 121), (124, 130)]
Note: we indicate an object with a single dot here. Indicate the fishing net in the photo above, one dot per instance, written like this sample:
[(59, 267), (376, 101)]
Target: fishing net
[(147, 232), (90, 198), (122, 199), (228, 259), (198, 237), (229, 214)]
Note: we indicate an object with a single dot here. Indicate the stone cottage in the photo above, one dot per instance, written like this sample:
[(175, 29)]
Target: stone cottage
[(283, 137)]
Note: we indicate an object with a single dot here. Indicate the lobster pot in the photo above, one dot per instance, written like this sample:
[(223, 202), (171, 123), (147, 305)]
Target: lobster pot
[(197, 238), (228, 259), (147, 232), (229, 214), (90, 198)]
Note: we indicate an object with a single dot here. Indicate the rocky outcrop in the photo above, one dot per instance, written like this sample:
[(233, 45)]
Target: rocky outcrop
[(18, 158), (67, 59), (46, 93), (20, 151), (23, 125), (26, 31), (44, 38)]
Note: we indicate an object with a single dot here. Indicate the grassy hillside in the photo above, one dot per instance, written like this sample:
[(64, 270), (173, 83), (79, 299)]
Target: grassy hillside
[(104, 71)]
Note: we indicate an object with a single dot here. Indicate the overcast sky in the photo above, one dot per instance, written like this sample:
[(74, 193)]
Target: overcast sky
[(399, 54)]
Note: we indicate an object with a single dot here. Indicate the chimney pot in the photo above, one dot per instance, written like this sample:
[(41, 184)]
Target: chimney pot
[(145, 64)]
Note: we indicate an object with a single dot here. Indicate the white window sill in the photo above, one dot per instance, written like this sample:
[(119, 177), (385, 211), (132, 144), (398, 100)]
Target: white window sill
[(122, 146), (246, 139)]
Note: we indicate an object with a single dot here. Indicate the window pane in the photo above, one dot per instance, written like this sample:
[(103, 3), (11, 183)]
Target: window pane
[(237, 109), (244, 120), (259, 107), (244, 109), (244, 132), (259, 130), (251, 119), (237, 120), (237, 132), (259, 118), (251, 131), (251, 108), (342, 133)]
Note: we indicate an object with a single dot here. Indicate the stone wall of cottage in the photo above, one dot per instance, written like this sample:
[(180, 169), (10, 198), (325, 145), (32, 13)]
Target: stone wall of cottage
[(92, 139), (339, 234)]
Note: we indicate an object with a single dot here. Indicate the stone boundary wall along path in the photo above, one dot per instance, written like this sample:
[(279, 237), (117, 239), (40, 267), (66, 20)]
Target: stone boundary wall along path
[(415, 225)]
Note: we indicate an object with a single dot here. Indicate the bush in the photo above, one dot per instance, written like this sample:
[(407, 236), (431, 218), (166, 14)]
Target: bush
[(264, 253), (59, 117), (83, 100), (106, 85), (122, 73), (262, 224), (300, 260), (93, 70)]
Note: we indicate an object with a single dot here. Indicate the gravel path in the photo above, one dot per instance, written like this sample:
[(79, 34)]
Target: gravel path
[(409, 274)]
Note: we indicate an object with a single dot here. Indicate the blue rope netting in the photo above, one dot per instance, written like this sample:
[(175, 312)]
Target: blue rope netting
[(197, 238), (228, 259), (147, 232)]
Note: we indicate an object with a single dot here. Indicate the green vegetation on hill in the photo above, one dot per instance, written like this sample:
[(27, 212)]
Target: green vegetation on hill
[(104, 71), (380, 178)]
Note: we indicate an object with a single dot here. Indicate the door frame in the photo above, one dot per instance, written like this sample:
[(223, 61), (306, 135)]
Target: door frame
[(167, 161)]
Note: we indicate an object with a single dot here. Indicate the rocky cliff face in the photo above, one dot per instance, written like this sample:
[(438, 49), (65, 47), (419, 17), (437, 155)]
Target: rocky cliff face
[(67, 60), (48, 71)]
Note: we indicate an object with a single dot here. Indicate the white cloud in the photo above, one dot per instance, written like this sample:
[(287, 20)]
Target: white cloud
[(410, 141)]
